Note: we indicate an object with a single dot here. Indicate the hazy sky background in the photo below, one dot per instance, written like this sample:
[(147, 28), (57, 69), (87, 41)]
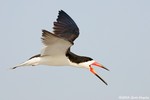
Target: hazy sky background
[(115, 33)]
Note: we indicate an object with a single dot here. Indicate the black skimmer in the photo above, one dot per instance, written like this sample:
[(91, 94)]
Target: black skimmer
[(56, 50)]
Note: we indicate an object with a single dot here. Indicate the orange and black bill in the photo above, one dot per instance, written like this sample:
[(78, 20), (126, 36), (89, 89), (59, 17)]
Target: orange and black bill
[(99, 65), (93, 71)]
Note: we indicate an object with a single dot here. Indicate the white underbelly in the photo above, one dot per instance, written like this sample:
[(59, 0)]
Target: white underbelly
[(54, 61)]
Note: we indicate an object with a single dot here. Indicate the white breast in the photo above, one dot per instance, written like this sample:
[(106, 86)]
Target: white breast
[(54, 60)]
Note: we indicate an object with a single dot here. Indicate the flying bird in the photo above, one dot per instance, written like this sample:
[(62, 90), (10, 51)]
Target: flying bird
[(57, 47)]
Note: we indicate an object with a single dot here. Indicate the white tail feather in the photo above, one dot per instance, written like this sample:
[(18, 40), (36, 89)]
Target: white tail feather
[(30, 62)]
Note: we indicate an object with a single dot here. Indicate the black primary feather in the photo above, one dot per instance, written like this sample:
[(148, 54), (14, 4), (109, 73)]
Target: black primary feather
[(65, 27)]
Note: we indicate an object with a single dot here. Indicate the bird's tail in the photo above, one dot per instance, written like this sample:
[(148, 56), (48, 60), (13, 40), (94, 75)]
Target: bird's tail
[(30, 62), (20, 65)]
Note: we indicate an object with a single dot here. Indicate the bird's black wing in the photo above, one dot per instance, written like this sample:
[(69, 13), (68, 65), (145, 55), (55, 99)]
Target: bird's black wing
[(65, 27)]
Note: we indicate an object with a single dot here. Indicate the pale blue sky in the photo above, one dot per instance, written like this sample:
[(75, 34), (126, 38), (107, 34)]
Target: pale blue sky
[(115, 33)]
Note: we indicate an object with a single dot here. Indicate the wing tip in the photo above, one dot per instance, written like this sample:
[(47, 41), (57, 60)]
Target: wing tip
[(43, 30), (61, 11), (65, 18)]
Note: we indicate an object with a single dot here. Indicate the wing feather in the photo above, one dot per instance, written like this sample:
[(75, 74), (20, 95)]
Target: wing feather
[(65, 27), (54, 45)]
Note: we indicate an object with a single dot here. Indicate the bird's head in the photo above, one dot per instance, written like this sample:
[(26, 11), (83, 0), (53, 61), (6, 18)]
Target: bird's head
[(89, 63)]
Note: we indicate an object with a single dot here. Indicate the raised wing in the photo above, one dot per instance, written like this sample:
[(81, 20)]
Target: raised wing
[(53, 45), (65, 27)]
